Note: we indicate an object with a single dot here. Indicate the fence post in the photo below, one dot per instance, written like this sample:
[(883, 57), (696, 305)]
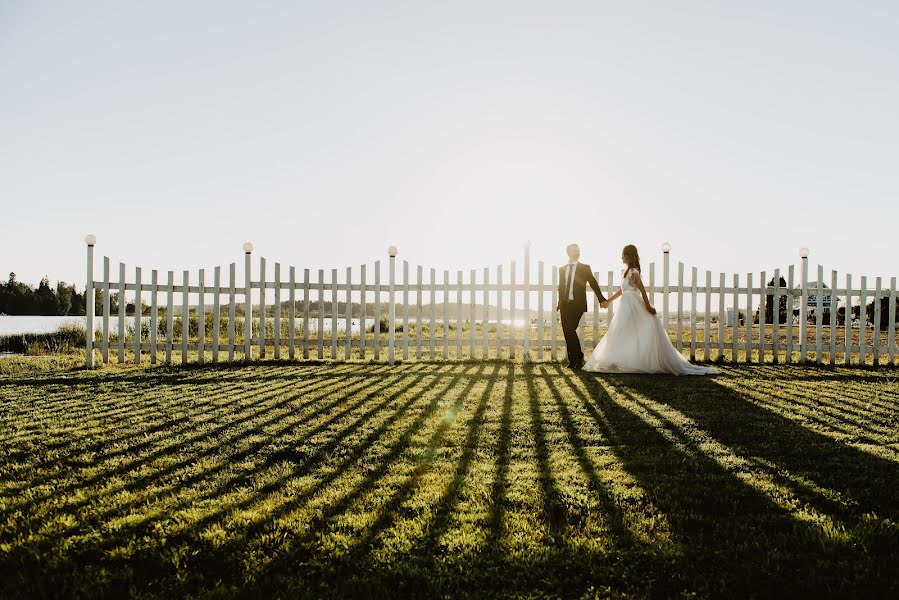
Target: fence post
[(666, 252), (248, 302), (527, 302), (803, 310), (90, 239), (391, 252)]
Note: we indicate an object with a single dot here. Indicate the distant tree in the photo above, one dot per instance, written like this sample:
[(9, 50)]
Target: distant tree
[(63, 298), (769, 304), (45, 298)]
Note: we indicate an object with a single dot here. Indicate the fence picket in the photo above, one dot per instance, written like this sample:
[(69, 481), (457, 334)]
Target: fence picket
[(335, 303), (154, 313), (540, 324), (138, 301), (232, 309), (277, 324), (406, 310), (554, 301), (262, 317), (348, 309), (363, 311), (775, 316), (169, 317), (292, 313), (819, 314), (432, 296), (185, 315), (499, 311), (863, 320), (748, 319), (446, 315), (104, 343), (721, 317), (790, 277), (763, 320), (320, 334), (216, 317), (201, 317), (471, 314), (376, 338), (419, 290), (891, 334), (735, 324), (847, 321), (876, 324), (459, 315), (833, 318), (680, 306), (485, 317), (693, 276), (512, 341), (306, 301), (121, 314), (707, 326)]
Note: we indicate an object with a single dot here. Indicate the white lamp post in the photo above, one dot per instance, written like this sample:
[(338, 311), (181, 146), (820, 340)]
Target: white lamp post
[(803, 312), (90, 239), (666, 250), (392, 252), (248, 302)]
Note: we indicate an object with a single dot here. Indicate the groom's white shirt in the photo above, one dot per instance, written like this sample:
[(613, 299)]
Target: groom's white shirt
[(571, 270)]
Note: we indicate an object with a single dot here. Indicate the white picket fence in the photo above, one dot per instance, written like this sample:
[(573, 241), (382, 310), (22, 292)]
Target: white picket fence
[(481, 314)]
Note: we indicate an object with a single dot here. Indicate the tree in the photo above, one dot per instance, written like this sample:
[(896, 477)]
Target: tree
[(769, 304), (63, 298)]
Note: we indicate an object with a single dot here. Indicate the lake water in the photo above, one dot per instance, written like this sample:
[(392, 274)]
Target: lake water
[(13, 324)]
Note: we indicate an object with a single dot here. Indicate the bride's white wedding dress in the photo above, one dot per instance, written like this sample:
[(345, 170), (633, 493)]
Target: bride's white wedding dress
[(636, 341)]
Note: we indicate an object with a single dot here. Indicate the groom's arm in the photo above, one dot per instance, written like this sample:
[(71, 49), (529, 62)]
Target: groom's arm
[(592, 281)]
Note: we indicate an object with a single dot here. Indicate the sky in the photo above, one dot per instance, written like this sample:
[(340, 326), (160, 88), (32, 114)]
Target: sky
[(323, 132)]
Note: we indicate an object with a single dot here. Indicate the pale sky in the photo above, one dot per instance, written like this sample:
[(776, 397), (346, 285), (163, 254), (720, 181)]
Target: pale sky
[(324, 132)]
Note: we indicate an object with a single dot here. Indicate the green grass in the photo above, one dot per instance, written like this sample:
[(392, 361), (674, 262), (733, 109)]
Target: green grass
[(457, 479)]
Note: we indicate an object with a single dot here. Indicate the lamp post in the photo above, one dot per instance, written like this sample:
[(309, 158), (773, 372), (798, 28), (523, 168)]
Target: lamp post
[(248, 304), (391, 252), (90, 239), (803, 311), (666, 251)]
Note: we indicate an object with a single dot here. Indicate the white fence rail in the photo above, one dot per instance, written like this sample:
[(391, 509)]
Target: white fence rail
[(314, 313)]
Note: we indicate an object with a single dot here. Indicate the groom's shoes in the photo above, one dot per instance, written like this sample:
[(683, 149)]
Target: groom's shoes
[(576, 365)]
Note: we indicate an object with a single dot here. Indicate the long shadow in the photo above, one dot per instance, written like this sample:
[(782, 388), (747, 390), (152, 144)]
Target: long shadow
[(611, 509), (318, 525), (555, 514), (499, 489), (65, 461), (148, 402), (134, 463), (264, 441), (730, 535), (850, 420), (444, 507), (868, 482), (423, 385)]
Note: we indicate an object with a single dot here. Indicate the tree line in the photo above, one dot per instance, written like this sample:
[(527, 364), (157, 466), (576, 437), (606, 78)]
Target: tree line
[(17, 298)]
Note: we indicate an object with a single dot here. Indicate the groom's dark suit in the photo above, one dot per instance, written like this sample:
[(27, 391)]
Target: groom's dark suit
[(572, 310)]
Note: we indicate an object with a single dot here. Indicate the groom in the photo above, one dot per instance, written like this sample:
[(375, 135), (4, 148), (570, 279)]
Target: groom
[(573, 280)]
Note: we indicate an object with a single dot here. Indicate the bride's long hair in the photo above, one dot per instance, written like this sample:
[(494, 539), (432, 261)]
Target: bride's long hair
[(630, 257)]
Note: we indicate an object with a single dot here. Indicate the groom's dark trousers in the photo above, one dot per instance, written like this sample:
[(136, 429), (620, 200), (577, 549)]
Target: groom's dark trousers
[(572, 310)]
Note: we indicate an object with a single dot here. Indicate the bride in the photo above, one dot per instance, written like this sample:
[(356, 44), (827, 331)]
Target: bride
[(636, 341)]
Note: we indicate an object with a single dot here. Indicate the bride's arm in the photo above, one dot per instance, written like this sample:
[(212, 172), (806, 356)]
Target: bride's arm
[(639, 283)]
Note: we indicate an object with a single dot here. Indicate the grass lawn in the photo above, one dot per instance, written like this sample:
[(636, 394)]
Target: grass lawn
[(449, 479)]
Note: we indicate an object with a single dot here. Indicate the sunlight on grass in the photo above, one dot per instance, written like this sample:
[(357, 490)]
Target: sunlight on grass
[(279, 478)]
